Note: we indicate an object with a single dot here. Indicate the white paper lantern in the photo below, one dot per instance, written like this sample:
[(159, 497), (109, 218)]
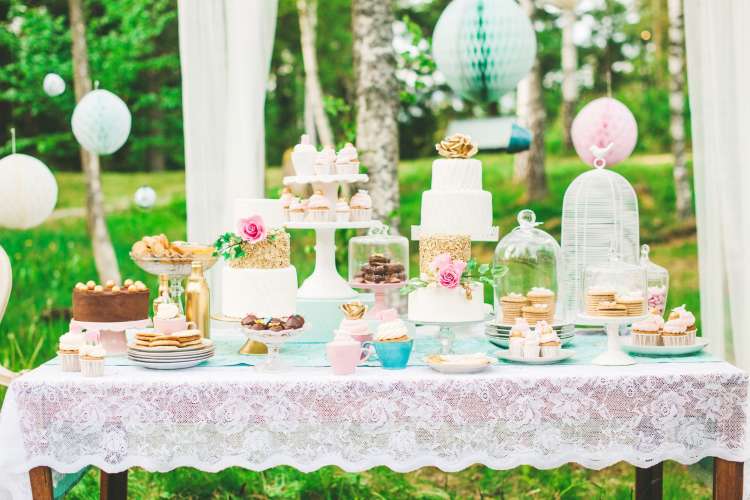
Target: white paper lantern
[(28, 191), (53, 84), (101, 122), (144, 197)]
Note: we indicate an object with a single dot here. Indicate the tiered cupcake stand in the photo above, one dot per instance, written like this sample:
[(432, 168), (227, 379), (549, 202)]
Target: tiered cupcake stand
[(325, 282)]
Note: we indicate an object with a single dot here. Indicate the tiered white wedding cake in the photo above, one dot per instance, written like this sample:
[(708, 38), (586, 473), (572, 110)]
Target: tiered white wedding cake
[(261, 280), (457, 204)]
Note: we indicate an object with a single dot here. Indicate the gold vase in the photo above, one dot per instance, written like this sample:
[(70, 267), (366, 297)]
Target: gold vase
[(198, 300)]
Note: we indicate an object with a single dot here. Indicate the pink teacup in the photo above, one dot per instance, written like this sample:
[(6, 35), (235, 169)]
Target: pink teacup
[(362, 338), (344, 357), (171, 325)]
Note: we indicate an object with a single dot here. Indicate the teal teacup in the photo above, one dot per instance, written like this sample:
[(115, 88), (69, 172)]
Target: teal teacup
[(392, 355)]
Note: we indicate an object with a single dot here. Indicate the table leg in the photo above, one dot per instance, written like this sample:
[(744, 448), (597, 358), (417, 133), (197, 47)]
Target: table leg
[(41, 483), (648, 482), (113, 486), (727, 479)]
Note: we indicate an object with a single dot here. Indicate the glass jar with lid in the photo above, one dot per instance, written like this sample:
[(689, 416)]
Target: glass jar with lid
[(378, 258), (529, 288), (614, 289), (658, 283)]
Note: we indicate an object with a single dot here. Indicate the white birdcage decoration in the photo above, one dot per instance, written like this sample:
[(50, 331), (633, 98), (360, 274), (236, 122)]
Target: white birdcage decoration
[(600, 215)]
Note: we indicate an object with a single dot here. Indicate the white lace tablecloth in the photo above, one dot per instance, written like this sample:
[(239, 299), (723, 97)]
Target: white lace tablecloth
[(212, 418)]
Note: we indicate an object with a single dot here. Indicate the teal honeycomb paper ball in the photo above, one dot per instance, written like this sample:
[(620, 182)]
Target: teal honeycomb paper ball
[(101, 122), (483, 47)]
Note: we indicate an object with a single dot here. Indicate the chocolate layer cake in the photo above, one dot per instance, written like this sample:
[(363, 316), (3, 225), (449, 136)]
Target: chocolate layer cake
[(110, 303)]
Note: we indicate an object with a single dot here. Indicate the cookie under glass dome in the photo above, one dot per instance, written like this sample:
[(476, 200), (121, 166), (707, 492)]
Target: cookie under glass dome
[(530, 286), (614, 289)]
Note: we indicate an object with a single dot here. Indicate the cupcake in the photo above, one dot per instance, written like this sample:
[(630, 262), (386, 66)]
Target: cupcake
[(517, 334), (646, 332), (540, 295), (531, 345), (361, 206), (511, 306), (286, 201), (296, 210), (68, 350), (392, 331), (674, 333), (354, 323), (549, 342), (324, 161), (347, 161), (343, 211), (318, 207), (687, 318), (91, 355)]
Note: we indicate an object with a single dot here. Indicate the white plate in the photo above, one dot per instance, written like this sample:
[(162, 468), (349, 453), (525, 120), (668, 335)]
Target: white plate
[(460, 367), (135, 357), (662, 350), (500, 342), (564, 354), (171, 348), (169, 354), (169, 366), (556, 324)]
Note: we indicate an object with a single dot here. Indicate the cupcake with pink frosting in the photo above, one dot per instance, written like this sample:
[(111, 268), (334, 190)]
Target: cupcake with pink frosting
[(318, 208), (324, 161), (347, 161), (297, 210), (646, 332), (687, 318), (286, 201), (361, 206), (343, 212), (675, 333)]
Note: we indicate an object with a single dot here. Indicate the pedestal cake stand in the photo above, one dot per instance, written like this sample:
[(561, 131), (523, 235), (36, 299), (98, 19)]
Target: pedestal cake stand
[(379, 290), (614, 355), (446, 335), (325, 282)]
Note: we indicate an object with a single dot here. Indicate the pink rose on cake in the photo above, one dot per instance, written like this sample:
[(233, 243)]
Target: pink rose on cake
[(448, 271), (448, 278), (252, 229)]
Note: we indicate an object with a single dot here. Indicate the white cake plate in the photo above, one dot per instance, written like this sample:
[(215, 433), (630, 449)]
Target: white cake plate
[(446, 335), (614, 355), (295, 180)]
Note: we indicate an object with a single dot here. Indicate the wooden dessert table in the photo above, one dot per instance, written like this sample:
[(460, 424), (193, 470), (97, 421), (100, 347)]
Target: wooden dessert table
[(211, 418)]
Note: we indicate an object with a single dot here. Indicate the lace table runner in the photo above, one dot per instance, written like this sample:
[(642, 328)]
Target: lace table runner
[(214, 417)]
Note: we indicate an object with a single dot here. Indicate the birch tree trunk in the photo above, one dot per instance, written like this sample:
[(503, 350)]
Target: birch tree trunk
[(377, 103), (569, 63), (104, 253), (529, 165), (675, 64), (308, 21)]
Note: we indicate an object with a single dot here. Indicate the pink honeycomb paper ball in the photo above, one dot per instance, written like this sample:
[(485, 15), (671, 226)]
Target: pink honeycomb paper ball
[(601, 122)]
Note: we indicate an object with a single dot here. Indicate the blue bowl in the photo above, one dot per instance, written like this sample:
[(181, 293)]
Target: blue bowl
[(393, 355)]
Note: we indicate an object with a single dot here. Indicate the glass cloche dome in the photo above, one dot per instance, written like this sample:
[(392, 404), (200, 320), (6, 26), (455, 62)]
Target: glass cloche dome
[(532, 257), (658, 283), (614, 289), (378, 257)]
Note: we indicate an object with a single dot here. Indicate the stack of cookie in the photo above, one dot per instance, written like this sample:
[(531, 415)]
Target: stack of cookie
[(606, 302), (534, 313), (543, 296), (512, 305), (379, 269), (611, 309), (634, 304), (595, 296), (185, 338)]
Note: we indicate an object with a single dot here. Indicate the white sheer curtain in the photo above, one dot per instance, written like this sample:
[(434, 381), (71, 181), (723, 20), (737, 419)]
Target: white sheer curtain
[(225, 54), (718, 79)]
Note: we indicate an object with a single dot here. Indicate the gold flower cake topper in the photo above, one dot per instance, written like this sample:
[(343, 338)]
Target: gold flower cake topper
[(354, 310), (457, 146)]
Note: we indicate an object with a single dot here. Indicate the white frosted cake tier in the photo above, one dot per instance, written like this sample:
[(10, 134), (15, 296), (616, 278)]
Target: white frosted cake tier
[(263, 292), (439, 304), (456, 175), (456, 212), (270, 209)]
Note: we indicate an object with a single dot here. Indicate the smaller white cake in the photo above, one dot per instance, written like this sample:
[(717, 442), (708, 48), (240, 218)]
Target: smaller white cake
[(263, 292), (438, 304)]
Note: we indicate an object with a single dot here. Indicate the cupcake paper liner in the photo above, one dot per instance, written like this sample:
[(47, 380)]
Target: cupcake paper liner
[(318, 215), (550, 351), (70, 362), (675, 340), (92, 368), (361, 214), (645, 338)]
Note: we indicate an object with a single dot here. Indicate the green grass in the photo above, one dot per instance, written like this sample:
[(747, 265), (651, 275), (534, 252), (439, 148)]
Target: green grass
[(48, 260)]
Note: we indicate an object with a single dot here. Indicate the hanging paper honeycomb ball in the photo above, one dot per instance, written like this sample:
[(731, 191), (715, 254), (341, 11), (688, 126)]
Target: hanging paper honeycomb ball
[(28, 191), (483, 47), (53, 84), (144, 197), (601, 122), (101, 122)]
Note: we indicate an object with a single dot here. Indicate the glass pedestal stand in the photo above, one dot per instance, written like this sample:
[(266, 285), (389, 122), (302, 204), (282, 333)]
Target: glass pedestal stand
[(325, 282), (250, 347), (446, 335), (379, 290), (273, 341), (614, 355), (176, 269)]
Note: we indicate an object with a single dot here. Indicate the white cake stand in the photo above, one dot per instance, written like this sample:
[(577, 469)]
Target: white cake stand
[(273, 341), (325, 282), (614, 355), (446, 335)]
